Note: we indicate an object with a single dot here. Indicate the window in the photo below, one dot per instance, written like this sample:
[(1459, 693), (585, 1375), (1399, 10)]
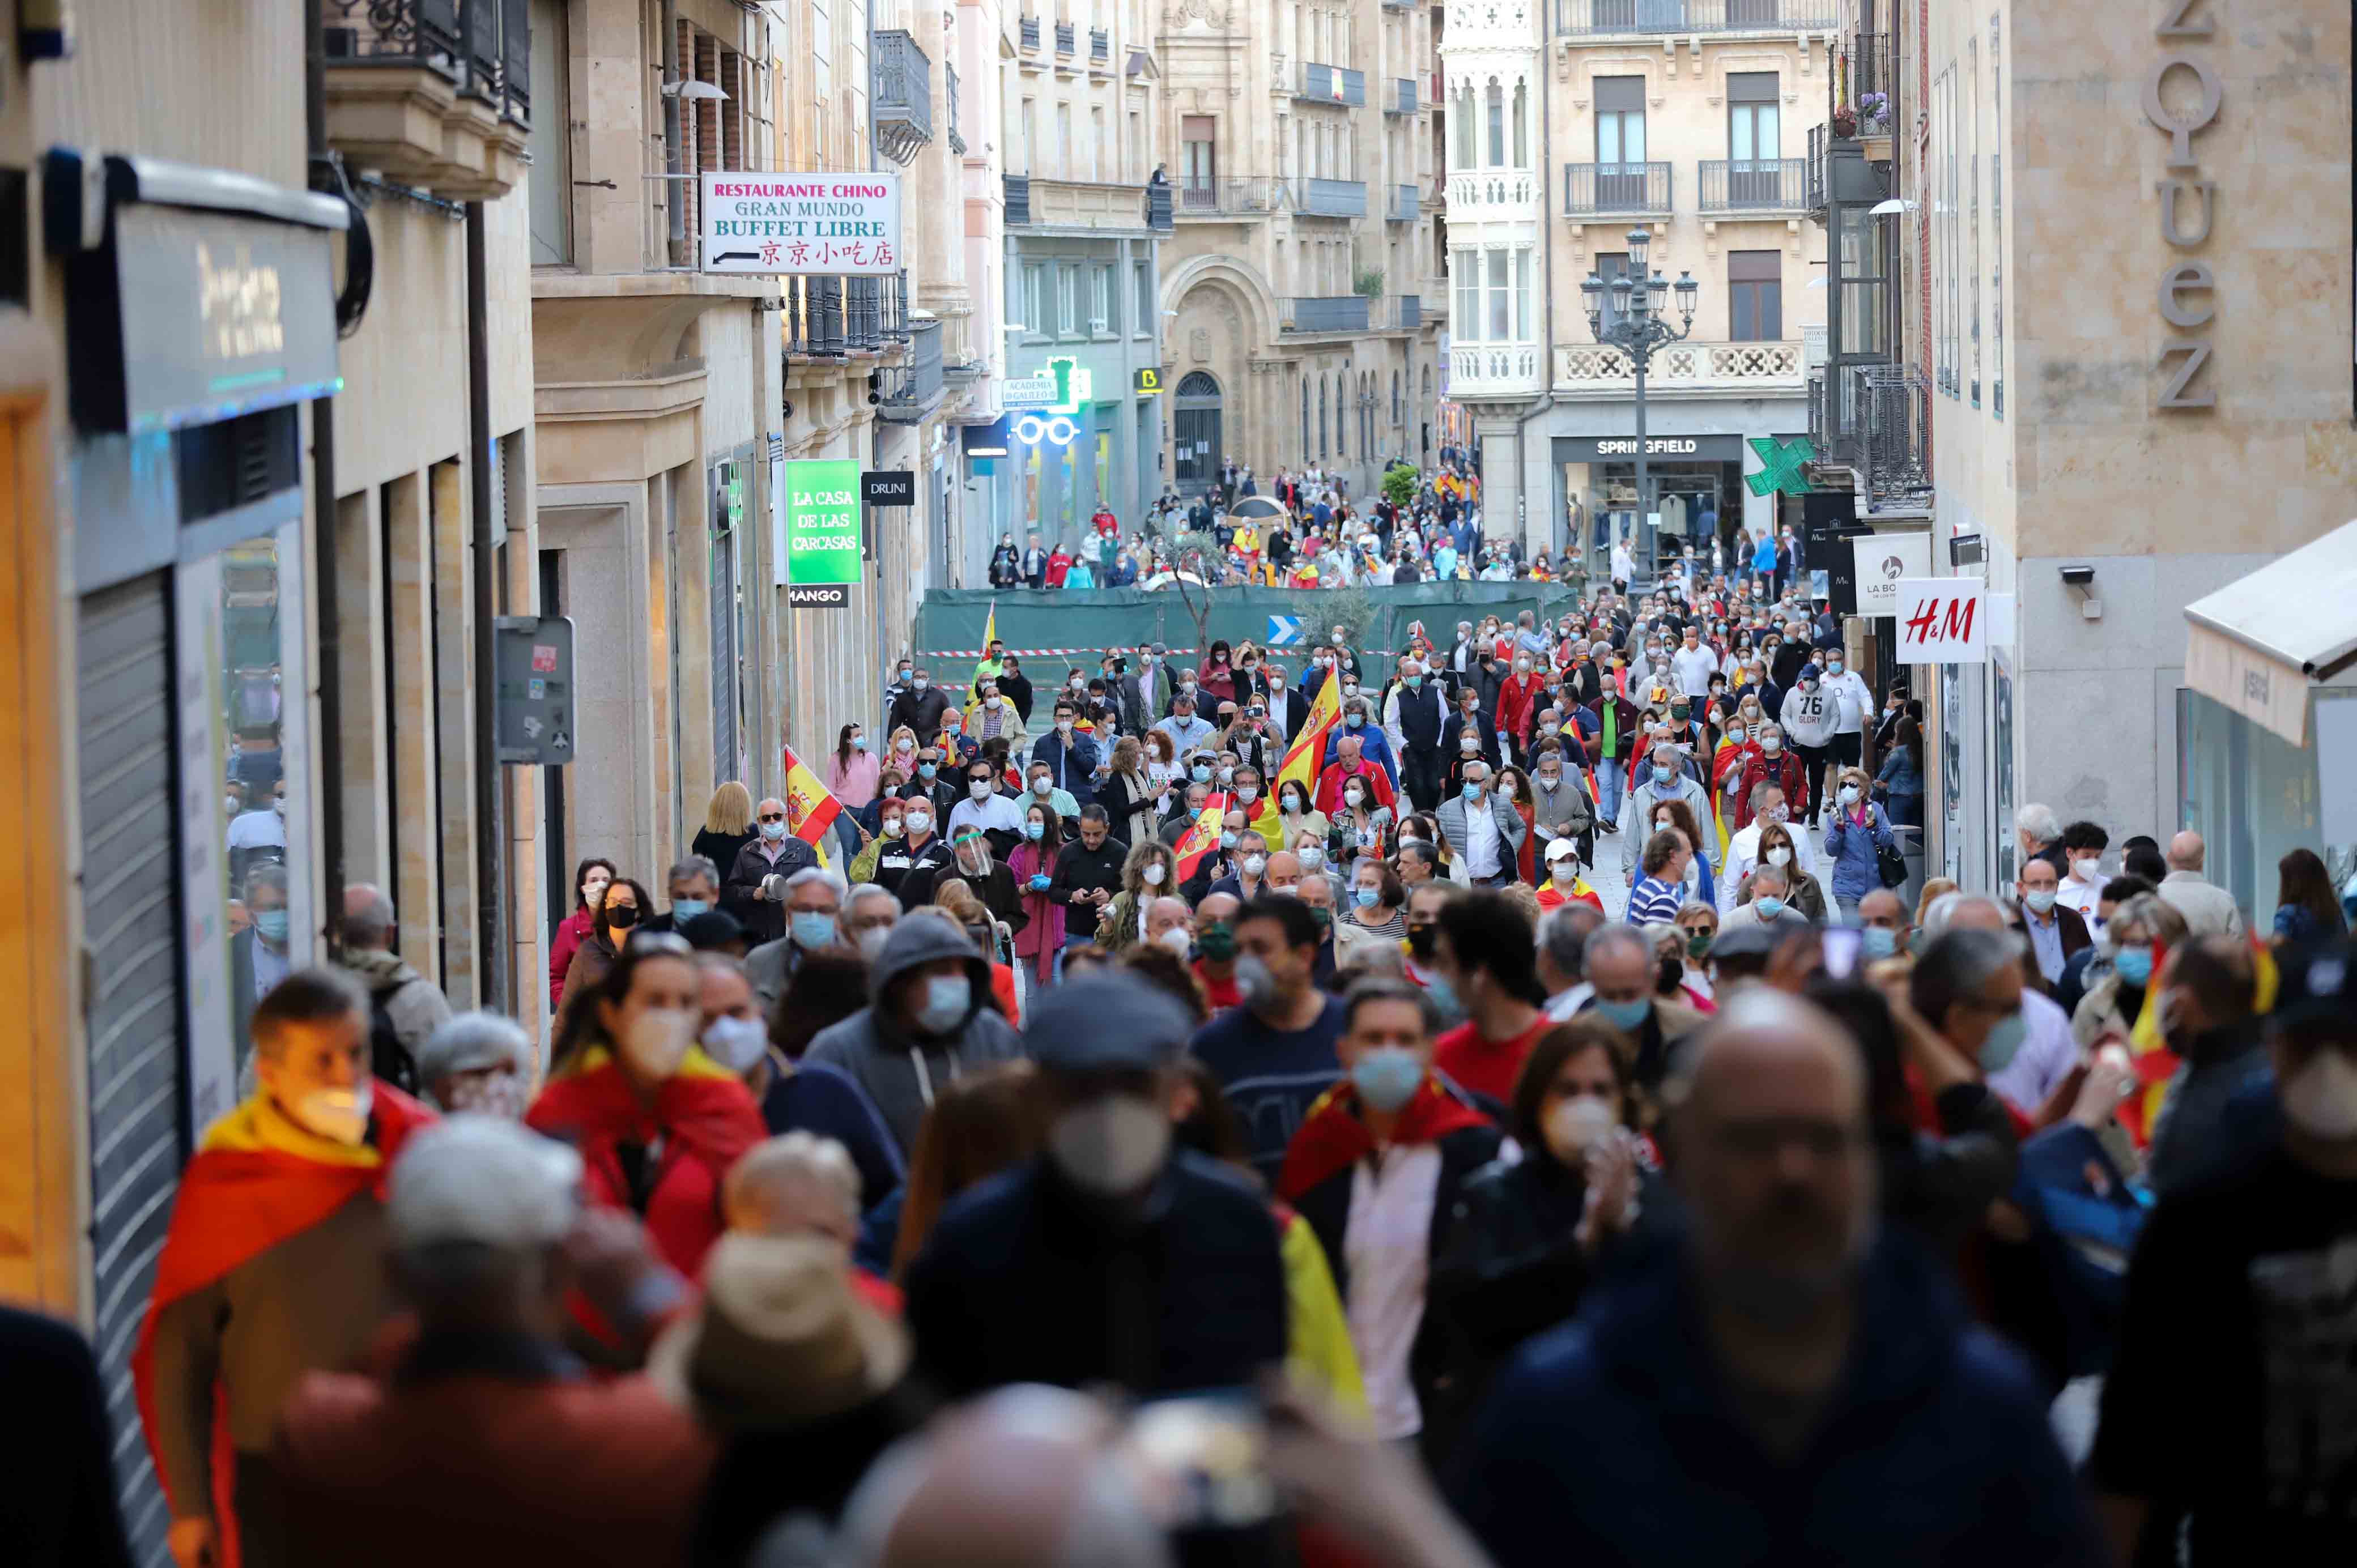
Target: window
[(1142, 319), (1620, 142), (1499, 305), (1028, 152), (822, 48), (1523, 333), (1755, 296), (1100, 299), (1096, 146), (1996, 226), (1065, 162), (1859, 239), (1465, 320), (1522, 125), (1068, 300), (1133, 163), (1753, 175), (1305, 421), (1342, 417), (1461, 116), (1973, 179), (1496, 99), (1399, 409), (1610, 264), (1323, 448), (551, 194), (1105, 469), (1199, 160), (1035, 299)]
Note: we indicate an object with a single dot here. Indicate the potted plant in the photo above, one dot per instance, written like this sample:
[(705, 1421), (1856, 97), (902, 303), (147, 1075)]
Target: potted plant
[(1873, 114), (1845, 122)]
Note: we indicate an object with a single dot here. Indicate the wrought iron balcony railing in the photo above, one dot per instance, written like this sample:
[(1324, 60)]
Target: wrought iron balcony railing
[(1029, 32), (1017, 189), (905, 394), (1402, 97), (900, 106), (1330, 198), (1404, 206), (1246, 196), (950, 83), (1333, 84), (1576, 18), (1594, 191), (1333, 313), (1100, 46), (1754, 185), (397, 69), (1064, 38)]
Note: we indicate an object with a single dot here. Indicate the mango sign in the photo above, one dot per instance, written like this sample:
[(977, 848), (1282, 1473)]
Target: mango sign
[(768, 224)]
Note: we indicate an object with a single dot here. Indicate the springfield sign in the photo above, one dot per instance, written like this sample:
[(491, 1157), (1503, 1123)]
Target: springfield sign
[(820, 521), (828, 223)]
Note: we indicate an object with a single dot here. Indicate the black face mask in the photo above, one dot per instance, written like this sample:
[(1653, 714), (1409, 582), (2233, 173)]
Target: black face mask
[(621, 918), (1420, 938), (1673, 975)]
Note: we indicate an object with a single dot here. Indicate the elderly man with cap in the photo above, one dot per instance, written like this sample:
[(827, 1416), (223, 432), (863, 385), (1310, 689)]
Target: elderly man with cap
[(485, 1443), (478, 1062), (1110, 1257)]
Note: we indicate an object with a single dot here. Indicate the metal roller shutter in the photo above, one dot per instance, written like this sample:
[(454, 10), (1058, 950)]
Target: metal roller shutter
[(137, 1069)]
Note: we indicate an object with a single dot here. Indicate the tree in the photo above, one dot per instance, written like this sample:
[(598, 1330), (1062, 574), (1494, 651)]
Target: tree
[(1198, 556), (1399, 485)]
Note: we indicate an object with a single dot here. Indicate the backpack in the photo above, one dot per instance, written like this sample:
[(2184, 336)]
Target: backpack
[(389, 1060)]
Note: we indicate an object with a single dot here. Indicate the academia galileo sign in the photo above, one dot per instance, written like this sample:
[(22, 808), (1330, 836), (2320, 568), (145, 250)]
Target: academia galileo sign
[(835, 224)]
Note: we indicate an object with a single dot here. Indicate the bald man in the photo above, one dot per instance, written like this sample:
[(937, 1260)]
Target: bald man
[(1850, 1404), (1166, 915), (2209, 909)]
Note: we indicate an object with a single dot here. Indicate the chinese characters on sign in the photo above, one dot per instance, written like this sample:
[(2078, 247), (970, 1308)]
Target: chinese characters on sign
[(822, 223), (1942, 621)]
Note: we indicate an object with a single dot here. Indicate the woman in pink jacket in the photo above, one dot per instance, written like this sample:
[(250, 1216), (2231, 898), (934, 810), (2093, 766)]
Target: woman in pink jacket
[(1033, 864)]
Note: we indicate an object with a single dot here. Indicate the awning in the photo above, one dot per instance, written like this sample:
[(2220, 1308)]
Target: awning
[(2257, 645)]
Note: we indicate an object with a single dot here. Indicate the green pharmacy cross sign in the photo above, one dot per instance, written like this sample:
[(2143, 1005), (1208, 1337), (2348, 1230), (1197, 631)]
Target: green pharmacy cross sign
[(1780, 465)]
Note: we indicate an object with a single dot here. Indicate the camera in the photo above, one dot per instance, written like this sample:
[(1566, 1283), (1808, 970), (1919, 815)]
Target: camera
[(2078, 574)]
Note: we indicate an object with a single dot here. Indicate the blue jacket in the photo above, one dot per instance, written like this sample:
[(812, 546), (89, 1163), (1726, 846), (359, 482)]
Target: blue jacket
[(1611, 1440), (1851, 849), (1076, 774)]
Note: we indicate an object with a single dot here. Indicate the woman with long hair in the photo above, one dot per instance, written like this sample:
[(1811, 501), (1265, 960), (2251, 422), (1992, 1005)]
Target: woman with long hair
[(2307, 908), (626, 904), (656, 1122), (1701, 879), (1513, 787), (1150, 871), (1033, 866), (1162, 768), (1128, 792), (590, 879), (979, 1125), (728, 825), (1900, 781), (1803, 892), (851, 772)]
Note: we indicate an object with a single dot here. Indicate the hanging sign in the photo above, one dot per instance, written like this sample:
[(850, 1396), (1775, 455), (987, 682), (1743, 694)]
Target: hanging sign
[(822, 532), (838, 224), (1942, 621)]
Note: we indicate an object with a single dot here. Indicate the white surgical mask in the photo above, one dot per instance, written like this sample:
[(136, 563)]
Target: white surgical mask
[(1780, 857), (947, 997), (1575, 1126), (1177, 939), (1254, 864), (736, 1043), (1152, 876), (656, 1040), (339, 1115), (1111, 1146)]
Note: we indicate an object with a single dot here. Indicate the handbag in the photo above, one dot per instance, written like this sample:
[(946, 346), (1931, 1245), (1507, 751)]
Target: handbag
[(1888, 864)]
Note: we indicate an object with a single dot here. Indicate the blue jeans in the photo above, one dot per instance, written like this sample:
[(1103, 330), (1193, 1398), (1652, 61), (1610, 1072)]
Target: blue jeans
[(1610, 773)]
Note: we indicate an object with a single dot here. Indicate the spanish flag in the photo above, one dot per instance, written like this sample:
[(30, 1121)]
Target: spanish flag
[(1200, 840), (1302, 757), (810, 807), (990, 627)]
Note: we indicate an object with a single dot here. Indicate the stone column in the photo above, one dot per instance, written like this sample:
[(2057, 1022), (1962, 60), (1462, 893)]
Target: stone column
[(1501, 437)]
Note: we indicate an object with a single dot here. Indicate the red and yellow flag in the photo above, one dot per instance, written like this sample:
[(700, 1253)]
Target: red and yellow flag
[(1200, 840), (1303, 756), (810, 806)]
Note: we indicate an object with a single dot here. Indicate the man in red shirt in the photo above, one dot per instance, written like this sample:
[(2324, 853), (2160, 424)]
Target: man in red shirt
[(1215, 943), (1105, 523), (1487, 952), (1518, 699)]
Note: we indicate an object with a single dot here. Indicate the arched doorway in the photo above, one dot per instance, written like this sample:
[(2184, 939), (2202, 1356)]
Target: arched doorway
[(1195, 424)]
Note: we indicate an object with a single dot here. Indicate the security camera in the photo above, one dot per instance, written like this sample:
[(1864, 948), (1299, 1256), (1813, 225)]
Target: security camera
[(2078, 574)]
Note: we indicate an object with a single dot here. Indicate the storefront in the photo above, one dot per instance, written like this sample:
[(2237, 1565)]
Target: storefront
[(1697, 484), (2266, 723), (200, 316), (1085, 429)]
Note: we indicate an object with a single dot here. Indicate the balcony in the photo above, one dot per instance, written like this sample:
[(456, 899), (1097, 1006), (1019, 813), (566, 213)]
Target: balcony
[(1333, 84), (812, 308), (1330, 198), (1403, 206), (431, 94), (1334, 313), (1493, 195), (1157, 207), (1100, 47), (1741, 370), (1407, 311), (1776, 186), (1616, 190), (1230, 200), (907, 393), (1017, 191), (1890, 408), (1402, 97), (1862, 92), (1605, 19), (901, 107), (950, 94), (1064, 38), (1029, 32), (1399, 4), (1084, 204), (1495, 372)]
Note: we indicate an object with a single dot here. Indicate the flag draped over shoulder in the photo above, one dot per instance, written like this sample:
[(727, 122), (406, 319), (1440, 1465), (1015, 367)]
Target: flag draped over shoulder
[(1201, 838), (1309, 748), (810, 807)]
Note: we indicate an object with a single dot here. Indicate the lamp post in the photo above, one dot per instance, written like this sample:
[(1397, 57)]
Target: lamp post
[(1638, 328)]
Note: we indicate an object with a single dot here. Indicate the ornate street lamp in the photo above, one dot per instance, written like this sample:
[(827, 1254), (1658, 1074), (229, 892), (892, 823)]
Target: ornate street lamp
[(1638, 327)]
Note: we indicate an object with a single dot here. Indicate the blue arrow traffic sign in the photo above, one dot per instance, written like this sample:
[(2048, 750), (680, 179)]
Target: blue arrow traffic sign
[(1283, 629)]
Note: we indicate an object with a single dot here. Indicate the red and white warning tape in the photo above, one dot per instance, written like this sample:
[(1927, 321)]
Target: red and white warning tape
[(1020, 652)]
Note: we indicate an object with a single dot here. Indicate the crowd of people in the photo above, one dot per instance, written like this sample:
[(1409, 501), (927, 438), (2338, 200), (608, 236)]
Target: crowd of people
[(1224, 1112), (1303, 532)]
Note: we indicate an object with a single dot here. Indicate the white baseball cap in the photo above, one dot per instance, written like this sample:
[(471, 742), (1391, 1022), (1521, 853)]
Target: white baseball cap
[(1561, 849)]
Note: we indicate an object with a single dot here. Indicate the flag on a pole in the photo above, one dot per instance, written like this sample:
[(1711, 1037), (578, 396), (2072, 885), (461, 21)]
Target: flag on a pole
[(1302, 757), (1201, 838), (810, 807), (990, 628)]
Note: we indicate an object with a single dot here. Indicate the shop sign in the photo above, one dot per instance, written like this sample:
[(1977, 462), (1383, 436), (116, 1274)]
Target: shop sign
[(1061, 386), (221, 315), (821, 547), (1942, 621), (534, 668), (2188, 290), (1623, 448), (889, 486), (1149, 379), (768, 224), (1881, 562)]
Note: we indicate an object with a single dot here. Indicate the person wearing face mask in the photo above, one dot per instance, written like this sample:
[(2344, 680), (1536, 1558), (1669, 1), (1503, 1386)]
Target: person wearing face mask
[(480, 1062), (2136, 941), (921, 707), (2054, 932), (1015, 1283), (1483, 829), (920, 848), (1852, 703), (1247, 863), (1486, 950), (258, 834), (1377, 1168), (590, 879), (259, 956), (1772, 902), (1518, 703), (1620, 965), (1808, 716), (1663, 780), (404, 1007), (1351, 768), (2206, 1012), (1856, 833), (2083, 843), (1883, 920), (776, 851), (1186, 732), (625, 905), (1767, 759), (2246, 1266), (929, 1019), (271, 1266), (1532, 1233), (656, 1119), (1416, 720), (813, 900), (991, 811), (1071, 758)]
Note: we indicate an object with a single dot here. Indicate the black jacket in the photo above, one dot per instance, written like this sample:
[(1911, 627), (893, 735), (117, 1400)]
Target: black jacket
[(920, 711), (1079, 869), (763, 1474), (1025, 1281), (763, 919), (1327, 1206), (58, 1508)]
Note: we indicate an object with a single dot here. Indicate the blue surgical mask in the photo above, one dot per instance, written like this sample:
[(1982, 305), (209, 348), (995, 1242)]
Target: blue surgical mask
[(1769, 905), (926, 769), (1626, 1016), (1664, 775), (1444, 995), (1387, 1078), (1878, 942), (1366, 896), (1202, 774), (1227, 841), (685, 909), (1472, 791), (2135, 965), (1355, 721), (272, 924), (2003, 1041), (1412, 682), (812, 930), (1034, 831), (773, 831), (859, 743)]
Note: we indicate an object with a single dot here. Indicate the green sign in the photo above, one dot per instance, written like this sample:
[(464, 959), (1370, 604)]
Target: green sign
[(1780, 465), (822, 532)]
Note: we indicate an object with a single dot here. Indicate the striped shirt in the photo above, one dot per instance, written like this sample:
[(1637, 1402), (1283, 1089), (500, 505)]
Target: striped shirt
[(1654, 901)]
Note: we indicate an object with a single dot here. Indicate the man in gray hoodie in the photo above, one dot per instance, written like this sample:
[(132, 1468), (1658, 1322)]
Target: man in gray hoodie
[(928, 1020)]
